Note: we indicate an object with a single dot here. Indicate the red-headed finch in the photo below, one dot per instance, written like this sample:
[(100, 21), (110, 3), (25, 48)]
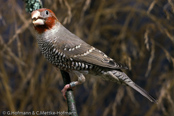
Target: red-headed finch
[(68, 52)]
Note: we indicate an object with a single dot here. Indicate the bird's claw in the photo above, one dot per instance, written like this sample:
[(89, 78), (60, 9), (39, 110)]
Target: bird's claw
[(66, 87)]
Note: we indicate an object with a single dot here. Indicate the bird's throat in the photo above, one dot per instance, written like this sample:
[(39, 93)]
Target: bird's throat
[(41, 28), (48, 25)]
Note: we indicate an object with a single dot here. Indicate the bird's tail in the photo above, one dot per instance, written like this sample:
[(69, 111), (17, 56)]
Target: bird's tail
[(121, 77)]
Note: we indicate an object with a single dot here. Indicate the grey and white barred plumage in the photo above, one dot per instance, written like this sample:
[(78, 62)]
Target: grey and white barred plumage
[(68, 52), (71, 53)]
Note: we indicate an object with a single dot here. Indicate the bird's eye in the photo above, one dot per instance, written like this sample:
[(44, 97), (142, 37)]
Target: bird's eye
[(46, 12)]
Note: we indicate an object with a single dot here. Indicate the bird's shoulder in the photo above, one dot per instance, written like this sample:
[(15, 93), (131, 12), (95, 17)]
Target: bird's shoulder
[(78, 50)]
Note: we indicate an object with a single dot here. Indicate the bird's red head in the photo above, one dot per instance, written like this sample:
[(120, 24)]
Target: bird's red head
[(43, 19)]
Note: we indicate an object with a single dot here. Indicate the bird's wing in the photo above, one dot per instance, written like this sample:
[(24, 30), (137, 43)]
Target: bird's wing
[(75, 48)]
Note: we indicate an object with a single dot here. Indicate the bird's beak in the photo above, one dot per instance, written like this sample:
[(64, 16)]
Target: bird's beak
[(37, 19)]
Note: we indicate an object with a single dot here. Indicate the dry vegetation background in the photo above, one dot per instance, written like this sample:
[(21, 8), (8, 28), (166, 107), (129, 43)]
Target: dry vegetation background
[(139, 33)]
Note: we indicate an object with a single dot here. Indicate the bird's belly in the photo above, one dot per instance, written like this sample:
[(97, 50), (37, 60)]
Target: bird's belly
[(58, 60)]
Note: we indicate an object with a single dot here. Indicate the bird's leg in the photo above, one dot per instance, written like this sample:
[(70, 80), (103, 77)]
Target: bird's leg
[(81, 79)]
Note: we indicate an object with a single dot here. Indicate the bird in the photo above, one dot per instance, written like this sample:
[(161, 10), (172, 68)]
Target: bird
[(68, 52)]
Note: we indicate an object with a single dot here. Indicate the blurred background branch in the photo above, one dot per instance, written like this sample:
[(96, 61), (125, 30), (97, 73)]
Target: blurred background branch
[(139, 33)]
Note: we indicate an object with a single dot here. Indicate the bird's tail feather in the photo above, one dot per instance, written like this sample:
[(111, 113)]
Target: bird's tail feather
[(142, 91), (123, 78)]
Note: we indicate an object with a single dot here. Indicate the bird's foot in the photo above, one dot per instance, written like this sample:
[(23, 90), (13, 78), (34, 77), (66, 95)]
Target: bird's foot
[(66, 87)]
